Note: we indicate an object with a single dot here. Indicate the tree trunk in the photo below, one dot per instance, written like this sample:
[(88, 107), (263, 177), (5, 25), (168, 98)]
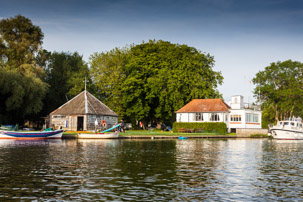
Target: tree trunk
[(277, 113)]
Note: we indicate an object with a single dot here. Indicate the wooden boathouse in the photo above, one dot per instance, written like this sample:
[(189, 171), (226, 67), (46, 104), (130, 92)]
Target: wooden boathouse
[(81, 112)]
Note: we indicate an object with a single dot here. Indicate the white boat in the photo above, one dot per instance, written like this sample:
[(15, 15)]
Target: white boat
[(113, 135), (291, 129)]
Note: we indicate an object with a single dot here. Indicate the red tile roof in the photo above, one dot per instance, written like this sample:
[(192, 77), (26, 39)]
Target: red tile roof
[(205, 105)]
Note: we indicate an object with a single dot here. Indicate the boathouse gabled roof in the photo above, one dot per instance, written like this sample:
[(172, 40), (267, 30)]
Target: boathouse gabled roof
[(84, 103), (205, 105)]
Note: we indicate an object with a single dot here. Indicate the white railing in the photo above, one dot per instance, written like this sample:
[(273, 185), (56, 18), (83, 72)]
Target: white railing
[(252, 106)]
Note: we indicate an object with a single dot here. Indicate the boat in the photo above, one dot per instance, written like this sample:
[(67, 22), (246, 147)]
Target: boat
[(291, 129), (27, 135), (113, 135)]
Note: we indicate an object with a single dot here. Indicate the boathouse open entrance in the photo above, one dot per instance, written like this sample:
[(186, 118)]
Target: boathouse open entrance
[(80, 123)]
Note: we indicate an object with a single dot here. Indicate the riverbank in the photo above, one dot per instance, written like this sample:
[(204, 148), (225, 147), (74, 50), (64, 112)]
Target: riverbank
[(140, 134)]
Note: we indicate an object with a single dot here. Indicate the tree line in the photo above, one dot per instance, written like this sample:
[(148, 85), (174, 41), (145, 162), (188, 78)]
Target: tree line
[(34, 81), (146, 82), (279, 87)]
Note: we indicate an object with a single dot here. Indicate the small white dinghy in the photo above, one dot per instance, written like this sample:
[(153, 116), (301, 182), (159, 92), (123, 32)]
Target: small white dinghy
[(113, 135), (101, 135)]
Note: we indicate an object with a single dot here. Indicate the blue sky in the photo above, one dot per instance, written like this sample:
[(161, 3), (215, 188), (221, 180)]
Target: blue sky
[(243, 36)]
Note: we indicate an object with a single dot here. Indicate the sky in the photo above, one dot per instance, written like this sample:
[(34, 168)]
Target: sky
[(243, 36)]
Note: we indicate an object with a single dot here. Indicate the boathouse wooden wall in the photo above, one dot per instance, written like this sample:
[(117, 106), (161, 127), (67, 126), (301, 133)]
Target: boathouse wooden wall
[(88, 122)]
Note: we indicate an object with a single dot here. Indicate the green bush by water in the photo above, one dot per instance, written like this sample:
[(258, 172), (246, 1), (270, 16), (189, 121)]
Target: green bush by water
[(208, 127)]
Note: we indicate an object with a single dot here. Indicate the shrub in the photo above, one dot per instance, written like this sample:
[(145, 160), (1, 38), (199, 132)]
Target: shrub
[(212, 127)]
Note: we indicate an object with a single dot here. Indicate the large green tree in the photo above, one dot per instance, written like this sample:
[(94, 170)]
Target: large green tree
[(156, 78), (21, 86), (161, 77), (65, 74), (20, 40), (108, 76), (280, 86), (20, 96)]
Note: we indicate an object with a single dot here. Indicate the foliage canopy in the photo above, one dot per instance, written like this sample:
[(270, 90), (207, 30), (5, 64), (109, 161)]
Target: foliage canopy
[(154, 79), (21, 85), (65, 73), (20, 40), (20, 95), (281, 90)]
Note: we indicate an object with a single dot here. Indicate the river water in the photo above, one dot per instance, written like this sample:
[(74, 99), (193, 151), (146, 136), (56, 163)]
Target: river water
[(151, 170)]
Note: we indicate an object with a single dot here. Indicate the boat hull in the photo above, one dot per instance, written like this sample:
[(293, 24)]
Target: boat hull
[(57, 134), (284, 134), (114, 135)]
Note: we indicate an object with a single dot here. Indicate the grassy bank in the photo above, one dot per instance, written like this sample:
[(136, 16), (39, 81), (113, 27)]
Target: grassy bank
[(163, 133), (153, 133), (157, 133)]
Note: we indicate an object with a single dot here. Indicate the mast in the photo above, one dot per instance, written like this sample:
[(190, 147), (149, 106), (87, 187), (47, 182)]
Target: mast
[(85, 84), (85, 96)]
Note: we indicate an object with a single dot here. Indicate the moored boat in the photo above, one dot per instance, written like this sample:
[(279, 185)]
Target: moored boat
[(113, 135), (291, 129), (56, 134)]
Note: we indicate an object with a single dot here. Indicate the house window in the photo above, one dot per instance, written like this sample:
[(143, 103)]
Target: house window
[(252, 118), (214, 117), (199, 116), (256, 118), (59, 116), (235, 118)]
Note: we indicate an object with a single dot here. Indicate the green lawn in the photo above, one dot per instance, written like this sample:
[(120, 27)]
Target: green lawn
[(159, 133), (162, 133)]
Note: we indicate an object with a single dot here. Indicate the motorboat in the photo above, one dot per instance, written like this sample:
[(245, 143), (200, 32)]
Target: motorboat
[(291, 129)]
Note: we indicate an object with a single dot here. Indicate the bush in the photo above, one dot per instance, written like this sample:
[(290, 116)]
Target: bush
[(211, 127)]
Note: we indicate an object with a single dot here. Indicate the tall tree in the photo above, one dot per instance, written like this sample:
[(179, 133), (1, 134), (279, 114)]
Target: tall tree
[(22, 89), (161, 77), (20, 40), (281, 90), (152, 80), (20, 96), (106, 71), (65, 73)]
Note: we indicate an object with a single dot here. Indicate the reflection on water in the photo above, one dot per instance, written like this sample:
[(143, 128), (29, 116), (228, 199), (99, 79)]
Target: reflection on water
[(195, 169)]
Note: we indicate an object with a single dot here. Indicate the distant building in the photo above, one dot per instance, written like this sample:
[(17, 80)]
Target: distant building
[(81, 112), (243, 115), (204, 110), (235, 115)]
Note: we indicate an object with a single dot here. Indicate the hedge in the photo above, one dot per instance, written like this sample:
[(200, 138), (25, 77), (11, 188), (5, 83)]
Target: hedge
[(212, 127)]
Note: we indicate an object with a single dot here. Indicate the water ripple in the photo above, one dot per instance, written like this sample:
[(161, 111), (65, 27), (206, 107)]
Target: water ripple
[(151, 170)]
